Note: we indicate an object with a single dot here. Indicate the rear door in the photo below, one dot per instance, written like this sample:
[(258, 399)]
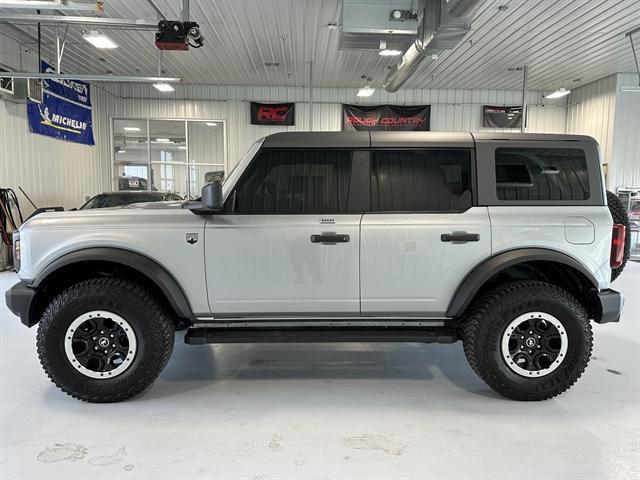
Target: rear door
[(423, 234)]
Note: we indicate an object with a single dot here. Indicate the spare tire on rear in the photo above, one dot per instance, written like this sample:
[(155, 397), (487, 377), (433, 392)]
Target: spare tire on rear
[(619, 214)]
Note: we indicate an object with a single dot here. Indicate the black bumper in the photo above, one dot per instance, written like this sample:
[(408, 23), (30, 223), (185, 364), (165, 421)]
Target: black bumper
[(611, 303), (20, 301)]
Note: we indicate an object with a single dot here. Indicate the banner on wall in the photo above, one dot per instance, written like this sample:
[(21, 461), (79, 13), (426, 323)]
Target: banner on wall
[(74, 90), (386, 118), (272, 113), (59, 118), (501, 117)]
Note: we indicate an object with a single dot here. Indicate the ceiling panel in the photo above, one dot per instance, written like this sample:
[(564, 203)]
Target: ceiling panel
[(560, 41)]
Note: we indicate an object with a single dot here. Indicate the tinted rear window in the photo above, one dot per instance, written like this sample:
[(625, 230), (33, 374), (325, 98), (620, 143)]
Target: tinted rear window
[(420, 180), (541, 174)]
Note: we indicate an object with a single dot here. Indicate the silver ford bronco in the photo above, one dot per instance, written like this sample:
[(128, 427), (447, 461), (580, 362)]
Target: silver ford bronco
[(507, 242)]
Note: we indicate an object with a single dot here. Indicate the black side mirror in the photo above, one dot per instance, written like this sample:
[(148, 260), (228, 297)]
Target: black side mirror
[(210, 199), (211, 196)]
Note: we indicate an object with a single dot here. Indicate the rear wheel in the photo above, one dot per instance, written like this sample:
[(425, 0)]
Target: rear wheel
[(528, 340), (104, 340)]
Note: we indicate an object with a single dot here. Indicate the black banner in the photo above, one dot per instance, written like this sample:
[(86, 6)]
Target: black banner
[(501, 117), (386, 118), (272, 113)]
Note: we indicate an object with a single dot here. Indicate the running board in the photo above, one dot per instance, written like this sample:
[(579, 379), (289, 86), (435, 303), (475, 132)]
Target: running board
[(204, 335)]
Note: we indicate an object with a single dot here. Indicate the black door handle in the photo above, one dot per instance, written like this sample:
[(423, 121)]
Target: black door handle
[(460, 237), (330, 238)]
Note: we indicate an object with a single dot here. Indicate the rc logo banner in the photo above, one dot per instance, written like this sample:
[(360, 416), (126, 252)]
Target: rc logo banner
[(59, 118)]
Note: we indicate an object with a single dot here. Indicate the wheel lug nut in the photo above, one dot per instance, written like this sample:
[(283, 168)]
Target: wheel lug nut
[(101, 331), (114, 345), (94, 338), (530, 333), (112, 336), (105, 351), (530, 351), (521, 338), (95, 348), (539, 336)]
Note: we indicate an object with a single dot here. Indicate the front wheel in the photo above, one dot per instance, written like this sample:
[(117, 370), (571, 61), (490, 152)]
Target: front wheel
[(104, 340), (528, 340)]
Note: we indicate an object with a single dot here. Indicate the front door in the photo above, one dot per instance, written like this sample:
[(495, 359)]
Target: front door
[(423, 235), (286, 245)]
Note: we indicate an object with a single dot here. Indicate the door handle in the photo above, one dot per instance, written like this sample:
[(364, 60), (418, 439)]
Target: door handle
[(330, 238), (460, 237)]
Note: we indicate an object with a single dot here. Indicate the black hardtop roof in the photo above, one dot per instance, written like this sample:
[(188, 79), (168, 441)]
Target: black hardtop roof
[(405, 139)]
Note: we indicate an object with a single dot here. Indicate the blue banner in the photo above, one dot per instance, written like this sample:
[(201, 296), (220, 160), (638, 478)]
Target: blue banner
[(74, 90), (59, 118)]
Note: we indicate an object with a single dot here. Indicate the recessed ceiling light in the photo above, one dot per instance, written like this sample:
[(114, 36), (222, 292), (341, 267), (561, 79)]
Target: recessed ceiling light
[(131, 129), (211, 124), (389, 52), (558, 93), (162, 140), (365, 91), (99, 40), (163, 87)]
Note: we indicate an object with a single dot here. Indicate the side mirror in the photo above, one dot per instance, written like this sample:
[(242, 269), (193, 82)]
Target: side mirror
[(211, 196), (210, 200)]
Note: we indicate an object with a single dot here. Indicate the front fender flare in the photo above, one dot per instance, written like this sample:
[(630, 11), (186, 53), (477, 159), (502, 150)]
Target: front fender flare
[(169, 286)]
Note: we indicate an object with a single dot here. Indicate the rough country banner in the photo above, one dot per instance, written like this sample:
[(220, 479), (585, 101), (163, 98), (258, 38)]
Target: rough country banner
[(502, 117), (386, 117), (272, 113)]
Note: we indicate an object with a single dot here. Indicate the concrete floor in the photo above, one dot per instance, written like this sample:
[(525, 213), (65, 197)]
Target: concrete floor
[(309, 411)]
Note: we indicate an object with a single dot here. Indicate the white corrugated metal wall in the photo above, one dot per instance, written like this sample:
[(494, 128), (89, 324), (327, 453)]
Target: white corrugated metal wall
[(452, 110), (612, 117)]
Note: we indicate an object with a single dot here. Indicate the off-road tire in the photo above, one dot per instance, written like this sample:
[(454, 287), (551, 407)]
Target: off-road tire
[(487, 320), (151, 322), (619, 214)]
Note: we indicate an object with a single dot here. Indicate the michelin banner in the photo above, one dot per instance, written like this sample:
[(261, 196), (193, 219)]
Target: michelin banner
[(59, 118)]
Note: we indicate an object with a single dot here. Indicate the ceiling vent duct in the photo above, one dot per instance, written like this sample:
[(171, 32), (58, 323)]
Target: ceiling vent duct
[(442, 25), (365, 23)]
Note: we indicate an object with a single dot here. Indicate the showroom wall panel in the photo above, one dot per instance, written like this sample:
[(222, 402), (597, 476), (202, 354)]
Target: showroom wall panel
[(625, 153)]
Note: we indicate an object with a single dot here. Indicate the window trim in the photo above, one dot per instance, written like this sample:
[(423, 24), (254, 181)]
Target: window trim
[(472, 181), (352, 194)]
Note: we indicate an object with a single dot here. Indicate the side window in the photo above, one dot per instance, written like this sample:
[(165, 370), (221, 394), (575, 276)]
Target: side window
[(541, 174), (295, 181), (421, 180)]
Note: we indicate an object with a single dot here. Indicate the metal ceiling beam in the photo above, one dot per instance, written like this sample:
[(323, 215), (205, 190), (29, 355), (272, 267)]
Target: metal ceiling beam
[(93, 78), (123, 23)]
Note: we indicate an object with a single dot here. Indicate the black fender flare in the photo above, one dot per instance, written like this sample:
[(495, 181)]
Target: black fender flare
[(488, 268), (169, 286)]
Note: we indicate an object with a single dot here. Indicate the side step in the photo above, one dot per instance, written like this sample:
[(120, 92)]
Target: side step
[(203, 335)]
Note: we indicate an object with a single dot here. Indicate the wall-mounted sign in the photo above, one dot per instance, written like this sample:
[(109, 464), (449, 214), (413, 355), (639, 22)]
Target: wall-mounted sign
[(74, 90), (386, 118), (272, 113), (59, 118), (501, 117)]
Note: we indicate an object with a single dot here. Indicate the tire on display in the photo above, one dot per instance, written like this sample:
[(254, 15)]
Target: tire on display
[(520, 321), (104, 315), (619, 215)]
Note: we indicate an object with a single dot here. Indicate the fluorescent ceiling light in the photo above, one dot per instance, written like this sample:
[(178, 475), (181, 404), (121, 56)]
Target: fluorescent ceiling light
[(163, 87), (389, 52), (182, 148), (30, 3), (630, 89), (131, 129), (122, 151), (558, 93), (211, 124), (99, 40), (162, 140), (366, 91)]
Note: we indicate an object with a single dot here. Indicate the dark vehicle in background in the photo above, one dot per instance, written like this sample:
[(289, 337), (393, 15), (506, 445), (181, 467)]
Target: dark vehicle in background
[(118, 199)]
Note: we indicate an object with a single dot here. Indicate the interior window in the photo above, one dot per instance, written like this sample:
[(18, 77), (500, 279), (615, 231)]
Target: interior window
[(420, 180), (295, 181), (541, 174)]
